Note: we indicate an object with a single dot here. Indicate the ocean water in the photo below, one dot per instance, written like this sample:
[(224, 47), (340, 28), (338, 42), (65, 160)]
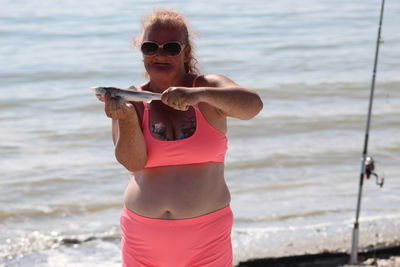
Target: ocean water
[(293, 170)]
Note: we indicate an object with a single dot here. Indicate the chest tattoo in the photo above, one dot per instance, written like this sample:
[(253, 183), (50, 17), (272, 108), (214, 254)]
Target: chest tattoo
[(160, 131), (188, 127)]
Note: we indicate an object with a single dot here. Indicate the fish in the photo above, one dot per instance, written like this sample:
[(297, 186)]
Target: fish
[(125, 94)]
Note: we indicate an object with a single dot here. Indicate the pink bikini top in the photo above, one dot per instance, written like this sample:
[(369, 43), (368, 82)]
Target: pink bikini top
[(206, 144)]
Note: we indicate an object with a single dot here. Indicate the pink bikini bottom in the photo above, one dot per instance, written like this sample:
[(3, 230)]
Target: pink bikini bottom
[(200, 241)]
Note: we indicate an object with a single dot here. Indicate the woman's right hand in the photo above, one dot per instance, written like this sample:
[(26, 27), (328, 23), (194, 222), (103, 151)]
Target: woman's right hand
[(117, 109)]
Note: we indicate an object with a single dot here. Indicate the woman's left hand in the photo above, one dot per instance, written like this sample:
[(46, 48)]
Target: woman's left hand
[(181, 98)]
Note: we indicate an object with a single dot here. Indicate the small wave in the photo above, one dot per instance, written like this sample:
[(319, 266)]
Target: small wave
[(90, 134), (9, 149), (272, 187), (328, 90), (60, 209), (11, 103), (37, 241), (290, 216), (81, 108), (289, 159), (52, 180), (50, 75), (303, 47)]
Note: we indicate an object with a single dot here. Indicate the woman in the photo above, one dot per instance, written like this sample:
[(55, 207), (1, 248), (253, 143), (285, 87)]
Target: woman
[(176, 210)]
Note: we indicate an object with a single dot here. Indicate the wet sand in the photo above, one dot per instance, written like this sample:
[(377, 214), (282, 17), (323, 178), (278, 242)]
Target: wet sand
[(388, 256)]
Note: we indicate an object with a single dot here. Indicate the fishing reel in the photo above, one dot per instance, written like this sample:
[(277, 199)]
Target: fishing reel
[(369, 170)]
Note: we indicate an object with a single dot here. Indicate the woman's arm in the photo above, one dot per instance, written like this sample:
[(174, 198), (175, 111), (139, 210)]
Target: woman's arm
[(130, 147), (230, 98), (227, 97)]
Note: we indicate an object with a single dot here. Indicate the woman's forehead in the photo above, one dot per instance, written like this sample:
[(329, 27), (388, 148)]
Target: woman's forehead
[(163, 33)]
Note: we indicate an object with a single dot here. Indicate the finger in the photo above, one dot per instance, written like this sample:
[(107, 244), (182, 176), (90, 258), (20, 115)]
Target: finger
[(112, 108), (125, 108), (178, 107), (122, 108), (165, 96), (100, 98), (107, 109), (108, 113), (119, 113), (128, 105), (174, 102), (115, 104), (107, 97), (183, 108)]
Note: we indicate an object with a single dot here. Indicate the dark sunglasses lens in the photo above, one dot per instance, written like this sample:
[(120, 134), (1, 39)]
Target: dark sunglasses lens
[(149, 48), (172, 49)]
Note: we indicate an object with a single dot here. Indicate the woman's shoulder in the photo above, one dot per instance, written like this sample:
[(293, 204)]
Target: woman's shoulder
[(213, 80)]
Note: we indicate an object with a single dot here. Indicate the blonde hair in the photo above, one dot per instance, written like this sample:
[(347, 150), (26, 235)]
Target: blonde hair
[(172, 19)]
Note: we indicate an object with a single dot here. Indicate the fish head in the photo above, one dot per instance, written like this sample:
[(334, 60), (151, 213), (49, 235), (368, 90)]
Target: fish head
[(101, 92)]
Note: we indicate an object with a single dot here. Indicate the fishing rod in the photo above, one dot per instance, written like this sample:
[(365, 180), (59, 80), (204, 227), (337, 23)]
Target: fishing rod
[(367, 163)]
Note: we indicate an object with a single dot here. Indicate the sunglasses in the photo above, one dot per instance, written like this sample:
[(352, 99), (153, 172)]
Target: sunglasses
[(171, 49)]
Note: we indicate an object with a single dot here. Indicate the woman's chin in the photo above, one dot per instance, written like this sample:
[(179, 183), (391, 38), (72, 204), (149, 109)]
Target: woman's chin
[(160, 71)]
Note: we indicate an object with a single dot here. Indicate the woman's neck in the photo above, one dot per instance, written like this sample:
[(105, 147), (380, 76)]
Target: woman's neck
[(159, 86)]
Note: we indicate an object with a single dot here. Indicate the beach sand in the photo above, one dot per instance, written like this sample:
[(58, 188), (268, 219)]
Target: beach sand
[(391, 262), (386, 257)]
